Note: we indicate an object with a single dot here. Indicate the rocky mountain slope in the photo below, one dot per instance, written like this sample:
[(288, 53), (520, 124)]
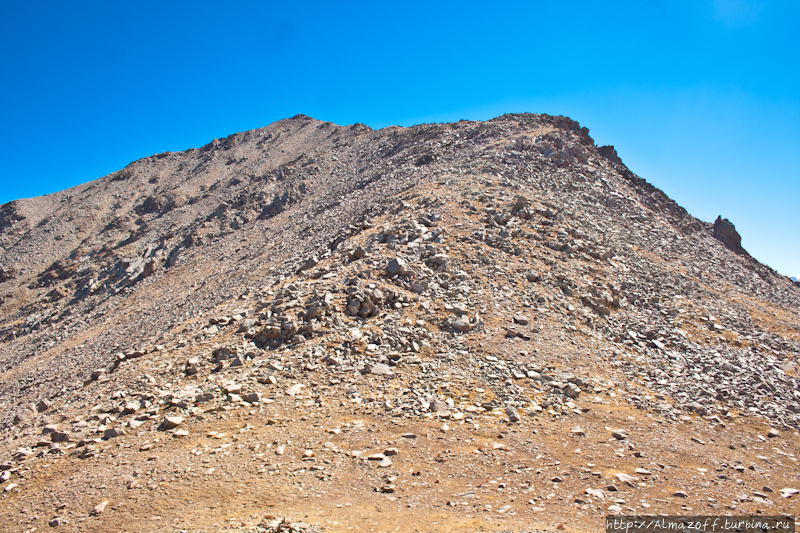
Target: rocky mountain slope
[(438, 328)]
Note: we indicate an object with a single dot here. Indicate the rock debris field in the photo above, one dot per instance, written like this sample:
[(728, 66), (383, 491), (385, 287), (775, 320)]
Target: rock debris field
[(478, 326)]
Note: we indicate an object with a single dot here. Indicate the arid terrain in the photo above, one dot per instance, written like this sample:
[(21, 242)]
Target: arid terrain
[(477, 326)]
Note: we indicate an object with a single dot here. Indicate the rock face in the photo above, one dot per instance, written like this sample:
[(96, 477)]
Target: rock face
[(726, 233), (497, 300)]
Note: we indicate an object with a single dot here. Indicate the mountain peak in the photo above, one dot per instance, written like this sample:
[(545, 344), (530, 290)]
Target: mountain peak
[(355, 318)]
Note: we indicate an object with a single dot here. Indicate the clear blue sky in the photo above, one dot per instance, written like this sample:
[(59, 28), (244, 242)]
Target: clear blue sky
[(701, 98)]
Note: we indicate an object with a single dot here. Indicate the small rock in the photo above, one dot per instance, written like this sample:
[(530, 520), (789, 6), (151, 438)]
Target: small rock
[(311, 262), (773, 433), (578, 431), (396, 266), (380, 369), (512, 414), (111, 433), (626, 478), (252, 397), (597, 493), (438, 406), (59, 436), (23, 415), (99, 508), (521, 320), (462, 324), (171, 422), (294, 390)]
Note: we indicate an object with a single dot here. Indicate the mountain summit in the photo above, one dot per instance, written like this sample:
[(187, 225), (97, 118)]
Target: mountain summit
[(487, 324)]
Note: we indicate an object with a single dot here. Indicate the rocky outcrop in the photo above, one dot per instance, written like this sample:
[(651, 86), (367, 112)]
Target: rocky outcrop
[(725, 232), (609, 153)]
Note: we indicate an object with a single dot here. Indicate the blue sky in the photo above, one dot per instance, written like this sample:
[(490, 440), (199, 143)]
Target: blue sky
[(700, 98)]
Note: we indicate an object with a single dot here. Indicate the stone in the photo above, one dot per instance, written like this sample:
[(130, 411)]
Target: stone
[(378, 369), (247, 324), (626, 478), (99, 508), (43, 405), (512, 414), (23, 415), (204, 397), (597, 493), (578, 431), (295, 389), (252, 397), (111, 433), (396, 267), (59, 436), (171, 422), (310, 263), (773, 433), (462, 324), (438, 406)]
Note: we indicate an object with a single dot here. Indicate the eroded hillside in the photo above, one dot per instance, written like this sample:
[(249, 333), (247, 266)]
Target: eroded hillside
[(440, 328)]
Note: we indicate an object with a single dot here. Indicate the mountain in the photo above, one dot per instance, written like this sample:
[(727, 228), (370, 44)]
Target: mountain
[(476, 324)]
